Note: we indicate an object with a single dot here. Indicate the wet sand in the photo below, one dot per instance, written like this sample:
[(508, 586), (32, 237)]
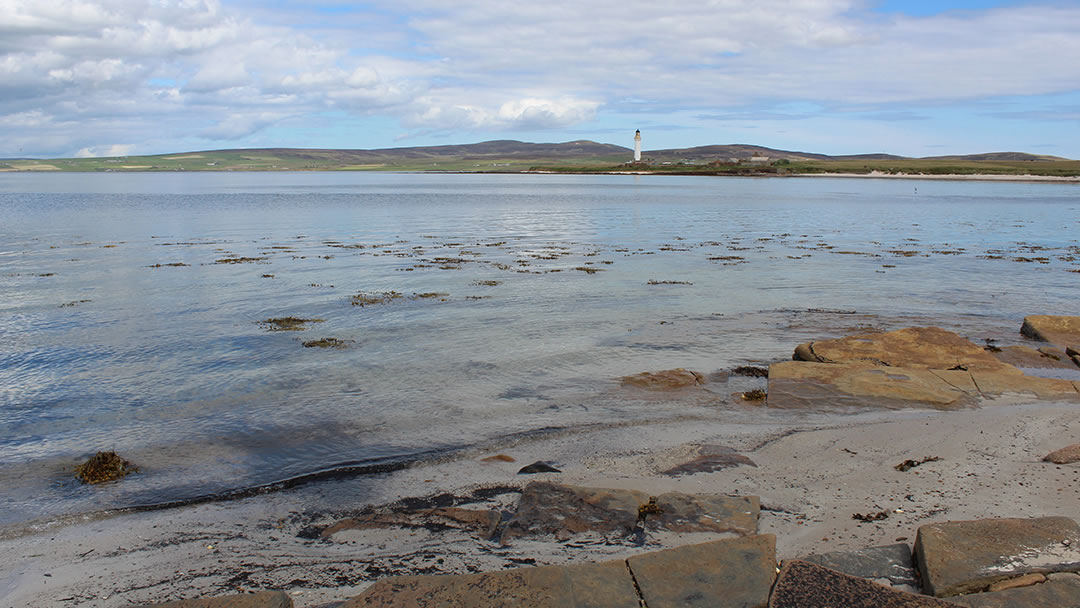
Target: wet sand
[(811, 475)]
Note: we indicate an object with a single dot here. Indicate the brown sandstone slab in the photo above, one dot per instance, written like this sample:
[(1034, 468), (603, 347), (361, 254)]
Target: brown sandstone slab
[(968, 556), (480, 521), (799, 383), (1061, 330), (603, 585), (549, 508), (711, 458), (729, 573), (1042, 357), (913, 347), (666, 380), (805, 585), (263, 599), (1066, 455), (1060, 593), (997, 383)]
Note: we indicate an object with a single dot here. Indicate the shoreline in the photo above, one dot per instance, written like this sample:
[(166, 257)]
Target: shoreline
[(811, 476)]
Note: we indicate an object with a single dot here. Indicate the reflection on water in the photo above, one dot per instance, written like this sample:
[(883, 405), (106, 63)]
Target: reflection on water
[(131, 302)]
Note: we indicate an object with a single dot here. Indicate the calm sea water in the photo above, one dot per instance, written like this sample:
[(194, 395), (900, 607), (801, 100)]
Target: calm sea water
[(545, 301)]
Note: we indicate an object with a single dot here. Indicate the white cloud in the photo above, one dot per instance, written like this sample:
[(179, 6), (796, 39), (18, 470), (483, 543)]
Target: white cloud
[(98, 151), (484, 66)]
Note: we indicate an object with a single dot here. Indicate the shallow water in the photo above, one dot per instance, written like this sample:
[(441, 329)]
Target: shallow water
[(169, 365)]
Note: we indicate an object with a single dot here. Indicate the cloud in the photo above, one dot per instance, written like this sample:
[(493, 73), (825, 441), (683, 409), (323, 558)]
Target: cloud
[(159, 72), (113, 150)]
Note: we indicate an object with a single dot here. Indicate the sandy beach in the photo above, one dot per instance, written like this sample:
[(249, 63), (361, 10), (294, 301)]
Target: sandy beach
[(811, 478)]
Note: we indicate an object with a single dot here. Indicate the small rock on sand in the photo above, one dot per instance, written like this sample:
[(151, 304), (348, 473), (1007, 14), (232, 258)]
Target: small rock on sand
[(1066, 455), (666, 380)]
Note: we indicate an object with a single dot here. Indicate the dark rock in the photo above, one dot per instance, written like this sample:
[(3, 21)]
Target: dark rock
[(892, 562), (712, 458), (263, 599), (482, 522), (968, 556), (548, 508), (1054, 593), (666, 380), (603, 585), (1059, 330), (1066, 455), (735, 572), (538, 467), (802, 584)]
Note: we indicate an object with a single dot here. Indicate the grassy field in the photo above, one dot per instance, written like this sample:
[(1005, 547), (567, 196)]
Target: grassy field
[(510, 159)]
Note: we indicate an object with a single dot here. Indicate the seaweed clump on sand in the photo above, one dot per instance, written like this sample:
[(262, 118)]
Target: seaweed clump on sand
[(102, 467), (287, 323), (368, 299)]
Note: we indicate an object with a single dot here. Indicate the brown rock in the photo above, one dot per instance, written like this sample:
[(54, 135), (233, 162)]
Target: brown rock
[(548, 508), (1000, 382), (1025, 580), (1054, 593), (1059, 330), (263, 599), (797, 384), (1072, 351), (498, 458), (1042, 357), (735, 572), (1066, 455), (967, 556), (603, 585), (805, 585), (666, 380), (914, 347)]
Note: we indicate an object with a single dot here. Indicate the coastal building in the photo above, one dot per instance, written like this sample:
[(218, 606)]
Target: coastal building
[(637, 146)]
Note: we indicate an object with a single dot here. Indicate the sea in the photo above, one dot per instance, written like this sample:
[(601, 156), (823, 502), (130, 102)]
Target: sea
[(450, 311)]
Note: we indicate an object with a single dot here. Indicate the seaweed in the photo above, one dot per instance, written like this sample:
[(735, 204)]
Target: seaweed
[(655, 282), (287, 323), (327, 343), (488, 283), (175, 264), (368, 299), (102, 467), (588, 270), (240, 260), (751, 371), (755, 395)]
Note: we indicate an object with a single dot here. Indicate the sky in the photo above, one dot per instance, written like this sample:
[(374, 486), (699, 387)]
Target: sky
[(916, 78)]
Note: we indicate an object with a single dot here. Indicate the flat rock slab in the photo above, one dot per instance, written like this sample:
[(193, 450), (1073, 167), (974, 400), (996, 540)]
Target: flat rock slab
[(1061, 593), (263, 599), (480, 521), (1046, 357), (1060, 330), (549, 508), (711, 458), (800, 384), (997, 383), (1066, 455), (892, 562), (917, 347), (968, 556), (802, 584), (666, 380), (603, 585), (729, 573)]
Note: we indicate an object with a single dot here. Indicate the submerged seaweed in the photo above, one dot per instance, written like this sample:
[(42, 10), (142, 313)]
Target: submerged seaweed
[(102, 467)]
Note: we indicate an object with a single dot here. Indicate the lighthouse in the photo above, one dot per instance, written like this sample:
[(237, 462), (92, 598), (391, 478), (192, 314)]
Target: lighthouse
[(637, 146)]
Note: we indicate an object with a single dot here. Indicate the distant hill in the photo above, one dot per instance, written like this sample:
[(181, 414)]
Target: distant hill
[(998, 156)]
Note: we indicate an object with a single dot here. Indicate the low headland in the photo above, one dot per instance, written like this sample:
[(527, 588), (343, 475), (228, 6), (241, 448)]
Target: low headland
[(505, 156), (926, 470)]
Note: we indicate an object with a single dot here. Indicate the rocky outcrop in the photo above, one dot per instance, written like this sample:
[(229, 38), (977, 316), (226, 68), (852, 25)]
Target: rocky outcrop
[(802, 584), (482, 522), (1060, 330), (1066, 455), (264, 599), (1046, 357), (711, 458), (890, 564), (667, 380), (562, 511), (968, 556), (913, 367), (1059, 591)]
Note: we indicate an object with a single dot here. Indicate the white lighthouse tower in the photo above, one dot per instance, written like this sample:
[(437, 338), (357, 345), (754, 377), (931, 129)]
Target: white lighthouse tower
[(637, 146)]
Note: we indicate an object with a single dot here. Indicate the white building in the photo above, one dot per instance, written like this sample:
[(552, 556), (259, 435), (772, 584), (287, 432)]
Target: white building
[(637, 146)]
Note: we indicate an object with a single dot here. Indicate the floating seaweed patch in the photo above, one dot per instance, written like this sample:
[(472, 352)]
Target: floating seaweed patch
[(726, 258), (102, 467), (655, 282), (588, 270), (287, 323), (369, 299), (170, 264), (431, 295), (240, 260), (47, 274), (74, 303), (267, 276), (751, 371), (487, 283), (327, 343)]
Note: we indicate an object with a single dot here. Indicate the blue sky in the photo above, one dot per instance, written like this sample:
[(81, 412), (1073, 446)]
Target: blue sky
[(115, 77)]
